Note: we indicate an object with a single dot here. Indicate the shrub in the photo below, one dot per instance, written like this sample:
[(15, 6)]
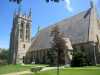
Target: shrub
[(36, 69), (79, 59)]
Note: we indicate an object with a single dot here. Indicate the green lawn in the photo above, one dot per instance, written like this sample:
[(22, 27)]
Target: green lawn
[(72, 72), (12, 68), (67, 71), (17, 68)]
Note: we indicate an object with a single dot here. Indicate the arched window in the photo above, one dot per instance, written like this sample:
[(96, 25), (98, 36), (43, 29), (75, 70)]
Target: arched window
[(21, 30), (27, 31)]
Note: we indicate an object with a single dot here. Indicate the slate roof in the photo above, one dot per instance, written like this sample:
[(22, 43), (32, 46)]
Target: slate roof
[(76, 28)]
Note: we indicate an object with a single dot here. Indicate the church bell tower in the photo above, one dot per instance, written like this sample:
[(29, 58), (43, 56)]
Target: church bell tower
[(20, 38)]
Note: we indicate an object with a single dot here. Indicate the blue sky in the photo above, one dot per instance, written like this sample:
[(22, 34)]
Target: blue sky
[(43, 14)]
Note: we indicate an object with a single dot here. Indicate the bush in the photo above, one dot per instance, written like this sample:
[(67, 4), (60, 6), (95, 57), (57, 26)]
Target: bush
[(79, 59), (98, 65), (36, 69)]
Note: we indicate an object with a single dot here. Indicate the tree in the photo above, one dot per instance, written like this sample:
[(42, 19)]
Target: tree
[(52, 54), (58, 45), (4, 56), (79, 59)]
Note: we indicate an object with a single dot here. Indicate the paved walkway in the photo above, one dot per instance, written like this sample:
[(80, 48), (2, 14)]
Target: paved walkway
[(50, 68)]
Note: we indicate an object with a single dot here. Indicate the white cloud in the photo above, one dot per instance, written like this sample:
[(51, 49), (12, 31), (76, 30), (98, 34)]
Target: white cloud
[(68, 5)]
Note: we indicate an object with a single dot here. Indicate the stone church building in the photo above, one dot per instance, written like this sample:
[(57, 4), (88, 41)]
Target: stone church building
[(83, 30)]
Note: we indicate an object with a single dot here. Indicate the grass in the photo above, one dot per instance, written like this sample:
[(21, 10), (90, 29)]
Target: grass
[(67, 71), (16, 68), (12, 68), (71, 72), (4, 69)]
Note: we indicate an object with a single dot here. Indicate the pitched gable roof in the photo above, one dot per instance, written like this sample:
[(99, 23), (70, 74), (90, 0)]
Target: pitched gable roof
[(76, 28)]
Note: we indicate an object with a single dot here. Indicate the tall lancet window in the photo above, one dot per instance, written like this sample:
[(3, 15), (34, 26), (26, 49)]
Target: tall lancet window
[(28, 31), (22, 30)]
